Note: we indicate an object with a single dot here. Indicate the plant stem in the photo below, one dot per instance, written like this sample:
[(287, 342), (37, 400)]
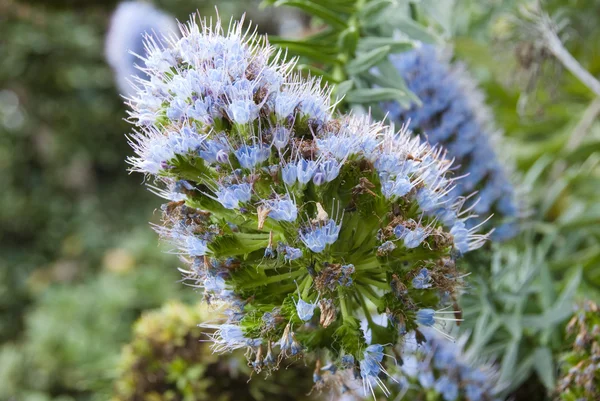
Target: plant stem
[(343, 305), (363, 304), (378, 284)]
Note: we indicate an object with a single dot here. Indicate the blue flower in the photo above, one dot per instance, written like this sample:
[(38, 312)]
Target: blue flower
[(250, 156), (231, 196), (305, 310), (195, 246), (397, 187), (425, 317), (210, 150), (305, 170), (414, 238), (242, 111), (422, 280), (292, 253), (281, 137), (289, 173), (282, 209), (316, 238)]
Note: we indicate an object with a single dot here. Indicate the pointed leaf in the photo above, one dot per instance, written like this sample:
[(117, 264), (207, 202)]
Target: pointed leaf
[(396, 45), (371, 11), (544, 366), (316, 10), (375, 95), (367, 60), (509, 362), (415, 31), (343, 87), (309, 50)]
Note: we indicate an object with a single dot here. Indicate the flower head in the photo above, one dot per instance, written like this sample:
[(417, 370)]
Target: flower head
[(281, 194), (452, 114)]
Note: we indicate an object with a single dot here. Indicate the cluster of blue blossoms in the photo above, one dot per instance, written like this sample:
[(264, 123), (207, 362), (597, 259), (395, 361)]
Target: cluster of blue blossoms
[(296, 223), (448, 370), (453, 114), (130, 21)]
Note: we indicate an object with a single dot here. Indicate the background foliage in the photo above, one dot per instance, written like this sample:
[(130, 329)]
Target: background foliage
[(78, 263)]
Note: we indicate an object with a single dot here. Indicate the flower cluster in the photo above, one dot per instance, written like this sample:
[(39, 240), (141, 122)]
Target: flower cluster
[(453, 114), (298, 222), (130, 21), (447, 369), (580, 378)]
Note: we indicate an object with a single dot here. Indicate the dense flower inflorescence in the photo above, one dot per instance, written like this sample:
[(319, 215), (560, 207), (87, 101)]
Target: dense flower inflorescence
[(447, 369), (297, 221), (580, 370), (130, 22), (453, 114)]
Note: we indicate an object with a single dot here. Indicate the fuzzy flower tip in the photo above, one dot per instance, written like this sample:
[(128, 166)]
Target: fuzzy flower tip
[(299, 221), (446, 368), (453, 114), (130, 22)]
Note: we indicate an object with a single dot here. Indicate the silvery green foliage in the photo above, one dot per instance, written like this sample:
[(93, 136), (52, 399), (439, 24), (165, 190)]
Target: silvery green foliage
[(294, 219), (451, 112), (446, 370), (130, 23), (514, 311)]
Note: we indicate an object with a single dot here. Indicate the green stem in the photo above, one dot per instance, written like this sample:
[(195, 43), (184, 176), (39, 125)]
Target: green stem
[(363, 304), (371, 264), (274, 279), (307, 282), (368, 291), (343, 305), (375, 283)]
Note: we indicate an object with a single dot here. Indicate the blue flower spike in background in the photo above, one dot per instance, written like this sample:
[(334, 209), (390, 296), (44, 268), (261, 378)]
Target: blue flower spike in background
[(451, 112), (295, 221), (130, 23)]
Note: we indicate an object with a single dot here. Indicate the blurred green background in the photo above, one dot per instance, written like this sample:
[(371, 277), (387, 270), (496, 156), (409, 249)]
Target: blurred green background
[(78, 260)]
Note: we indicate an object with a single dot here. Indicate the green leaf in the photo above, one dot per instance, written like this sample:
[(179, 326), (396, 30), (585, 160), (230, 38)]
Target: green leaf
[(415, 31), (372, 10), (316, 10), (509, 362), (343, 87), (367, 60), (390, 73), (313, 52), (544, 366), (385, 82), (563, 305), (396, 45), (375, 95)]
